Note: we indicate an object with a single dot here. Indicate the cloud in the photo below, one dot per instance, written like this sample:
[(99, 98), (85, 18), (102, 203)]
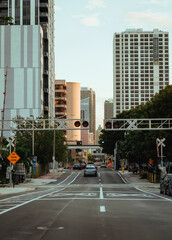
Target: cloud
[(90, 20), (95, 3), (149, 18), (57, 8), (155, 2)]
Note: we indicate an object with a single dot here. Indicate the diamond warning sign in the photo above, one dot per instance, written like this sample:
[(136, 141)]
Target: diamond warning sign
[(13, 157)]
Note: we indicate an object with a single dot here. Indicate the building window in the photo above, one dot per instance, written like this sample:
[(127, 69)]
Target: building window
[(26, 12), (17, 12)]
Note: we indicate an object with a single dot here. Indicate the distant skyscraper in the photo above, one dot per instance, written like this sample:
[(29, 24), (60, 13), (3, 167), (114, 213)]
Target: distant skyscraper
[(140, 67), (27, 48), (108, 109), (87, 93)]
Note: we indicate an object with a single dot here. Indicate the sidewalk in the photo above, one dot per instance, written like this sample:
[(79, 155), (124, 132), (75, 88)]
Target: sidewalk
[(143, 184), (33, 183)]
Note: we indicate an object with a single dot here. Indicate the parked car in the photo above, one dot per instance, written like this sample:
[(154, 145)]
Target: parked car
[(90, 171), (103, 165), (165, 184), (76, 166)]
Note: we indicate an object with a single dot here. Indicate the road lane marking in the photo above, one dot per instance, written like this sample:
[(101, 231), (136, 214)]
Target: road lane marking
[(65, 179), (170, 200), (128, 195), (74, 178), (102, 209), (99, 175), (123, 179), (101, 193)]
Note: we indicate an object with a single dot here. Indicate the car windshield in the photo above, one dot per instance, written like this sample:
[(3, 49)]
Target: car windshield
[(90, 168)]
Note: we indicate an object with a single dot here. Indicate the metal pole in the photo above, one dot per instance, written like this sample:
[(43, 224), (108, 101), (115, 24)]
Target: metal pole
[(162, 154), (33, 150), (54, 142), (10, 170)]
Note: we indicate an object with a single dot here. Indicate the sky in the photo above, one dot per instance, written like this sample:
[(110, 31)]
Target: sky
[(84, 39)]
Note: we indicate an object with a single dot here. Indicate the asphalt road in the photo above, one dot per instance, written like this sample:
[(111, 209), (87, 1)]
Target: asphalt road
[(86, 208)]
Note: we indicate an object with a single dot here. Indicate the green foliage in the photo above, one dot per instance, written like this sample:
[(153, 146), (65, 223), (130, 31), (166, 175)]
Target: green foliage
[(139, 146), (6, 21), (43, 145)]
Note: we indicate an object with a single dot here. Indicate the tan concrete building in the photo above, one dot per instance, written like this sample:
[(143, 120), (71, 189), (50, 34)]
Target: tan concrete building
[(108, 109)]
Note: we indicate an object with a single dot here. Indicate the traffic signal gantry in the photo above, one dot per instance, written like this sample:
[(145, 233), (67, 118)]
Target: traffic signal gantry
[(138, 124), (44, 124)]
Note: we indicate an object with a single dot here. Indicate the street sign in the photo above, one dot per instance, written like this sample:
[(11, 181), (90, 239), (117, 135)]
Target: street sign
[(13, 157), (161, 142)]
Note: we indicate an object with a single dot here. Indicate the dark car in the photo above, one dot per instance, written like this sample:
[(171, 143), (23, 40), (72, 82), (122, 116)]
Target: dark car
[(76, 166), (90, 171), (165, 184)]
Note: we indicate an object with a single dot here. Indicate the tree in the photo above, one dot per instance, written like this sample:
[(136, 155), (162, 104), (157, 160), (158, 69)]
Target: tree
[(43, 145), (6, 21)]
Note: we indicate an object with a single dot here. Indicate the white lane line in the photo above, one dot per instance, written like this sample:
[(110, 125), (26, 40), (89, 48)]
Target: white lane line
[(65, 179), (170, 200), (101, 193), (107, 199), (32, 200), (74, 178), (122, 178), (102, 209), (99, 175)]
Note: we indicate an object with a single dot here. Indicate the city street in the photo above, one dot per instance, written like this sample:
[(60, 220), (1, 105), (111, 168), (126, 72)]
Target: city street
[(78, 207)]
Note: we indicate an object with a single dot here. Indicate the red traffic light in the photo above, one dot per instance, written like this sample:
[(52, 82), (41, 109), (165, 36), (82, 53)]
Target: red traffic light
[(85, 124), (77, 124), (115, 124), (108, 125)]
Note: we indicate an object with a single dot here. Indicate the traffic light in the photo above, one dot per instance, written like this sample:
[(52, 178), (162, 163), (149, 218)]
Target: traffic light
[(77, 124), (85, 124), (115, 124), (108, 125)]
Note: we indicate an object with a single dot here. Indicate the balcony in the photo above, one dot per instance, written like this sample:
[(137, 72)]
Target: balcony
[(43, 5), (43, 14), (61, 98), (61, 105), (60, 90), (61, 113)]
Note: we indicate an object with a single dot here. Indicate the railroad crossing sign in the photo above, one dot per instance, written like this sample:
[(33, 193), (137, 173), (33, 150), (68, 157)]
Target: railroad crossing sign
[(13, 157), (160, 142)]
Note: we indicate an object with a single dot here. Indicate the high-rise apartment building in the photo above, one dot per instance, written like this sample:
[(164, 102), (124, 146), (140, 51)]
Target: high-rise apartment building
[(140, 67), (89, 94), (38, 14)]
